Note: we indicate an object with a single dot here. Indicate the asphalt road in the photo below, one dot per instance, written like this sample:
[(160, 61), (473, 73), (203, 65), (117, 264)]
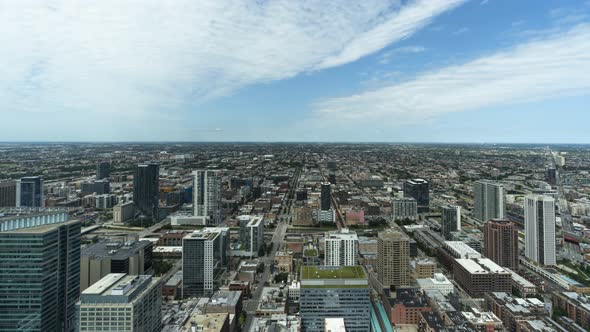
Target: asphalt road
[(251, 305)]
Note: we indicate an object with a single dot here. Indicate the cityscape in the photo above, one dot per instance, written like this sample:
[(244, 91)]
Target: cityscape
[(294, 237), (295, 166)]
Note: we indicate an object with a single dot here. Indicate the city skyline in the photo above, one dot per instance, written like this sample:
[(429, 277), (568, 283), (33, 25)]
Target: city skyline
[(384, 71)]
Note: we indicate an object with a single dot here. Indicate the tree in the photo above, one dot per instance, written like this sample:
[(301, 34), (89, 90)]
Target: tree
[(281, 277), (260, 268), (261, 251), (242, 319)]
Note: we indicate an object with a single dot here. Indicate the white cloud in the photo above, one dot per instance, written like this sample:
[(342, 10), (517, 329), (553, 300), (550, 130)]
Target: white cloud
[(388, 55), (555, 66), (128, 58), (397, 26)]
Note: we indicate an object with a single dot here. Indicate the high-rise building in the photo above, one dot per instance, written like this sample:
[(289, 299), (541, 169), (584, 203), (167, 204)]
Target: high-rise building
[(8, 193), (335, 292), (393, 258), (341, 248), (332, 165), (404, 208), (207, 197), (120, 302), (123, 212), (539, 229), (204, 258), (488, 201), (39, 276), (419, 190), (146, 190), (326, 199), (450, 220), (30, 192), (501, 242), (552, 176), (100, 259), (103, 170), (251, 234)]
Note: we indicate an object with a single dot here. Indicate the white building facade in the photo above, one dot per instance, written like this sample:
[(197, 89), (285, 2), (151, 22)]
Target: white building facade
[(539, 229), (341, 248)]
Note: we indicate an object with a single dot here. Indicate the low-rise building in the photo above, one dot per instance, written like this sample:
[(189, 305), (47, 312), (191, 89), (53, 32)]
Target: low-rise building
[(273, 300), (218, 322), (523, 286), (405, 305), (423, 268), (225, 302), (284, 261), (510, 310), (478, 276), (438, 282), (574, 306)]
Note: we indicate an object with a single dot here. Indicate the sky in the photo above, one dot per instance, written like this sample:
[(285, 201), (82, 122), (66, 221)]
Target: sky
[(478, 71)]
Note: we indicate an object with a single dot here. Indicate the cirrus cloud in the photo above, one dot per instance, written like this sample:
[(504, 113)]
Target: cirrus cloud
[(131, 57), (545, 68)]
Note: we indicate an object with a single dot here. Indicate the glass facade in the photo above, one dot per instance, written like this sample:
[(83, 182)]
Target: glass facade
[(146, 190), (31, 192), (39, 278), (352, 304)]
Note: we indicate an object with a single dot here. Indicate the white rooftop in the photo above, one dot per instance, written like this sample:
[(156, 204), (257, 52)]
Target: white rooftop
[(334, 325), (480, 266), (461, 250)]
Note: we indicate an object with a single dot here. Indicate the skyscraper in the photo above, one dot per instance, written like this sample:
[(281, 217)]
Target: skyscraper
[(335, 292), (204, 258), (501, 242), (103, 170), (326, 199), (488, 201), (146, 190), (207, 197), (393, 258), (450, 220), (30, 192), (539, 229), (419, 190), (8, 193), (552, 176), (39, 277), (341, 248)]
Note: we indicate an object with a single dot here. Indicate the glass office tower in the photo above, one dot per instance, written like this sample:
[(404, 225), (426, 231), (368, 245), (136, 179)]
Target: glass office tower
[(39, 277)]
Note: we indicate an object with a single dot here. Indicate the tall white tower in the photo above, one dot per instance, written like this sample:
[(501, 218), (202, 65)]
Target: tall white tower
[(207, 197), (539, 229)]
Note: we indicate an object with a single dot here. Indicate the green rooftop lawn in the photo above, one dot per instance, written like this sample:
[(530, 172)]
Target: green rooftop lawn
[(310, 253), (344, 272)]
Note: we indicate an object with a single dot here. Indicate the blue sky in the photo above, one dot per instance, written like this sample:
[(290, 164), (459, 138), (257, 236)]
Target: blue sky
[(282, 70)]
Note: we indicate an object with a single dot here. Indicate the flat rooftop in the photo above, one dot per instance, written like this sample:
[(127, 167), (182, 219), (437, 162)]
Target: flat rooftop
[(207, 323), (481, 266), (329, 272), (461, 250), (115, 250)]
